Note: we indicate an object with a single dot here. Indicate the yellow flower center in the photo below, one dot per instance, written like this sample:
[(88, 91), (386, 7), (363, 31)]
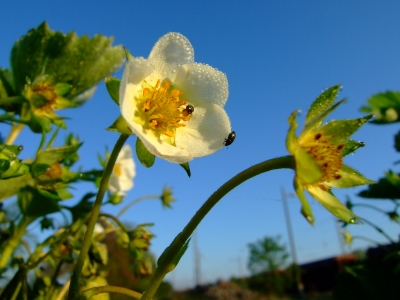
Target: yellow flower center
[(117, 169), (161, 109), (327, 156)]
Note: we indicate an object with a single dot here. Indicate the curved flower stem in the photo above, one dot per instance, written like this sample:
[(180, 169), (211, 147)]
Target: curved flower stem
[(129, 205), (115, 219), (359, 237), (380, 230), (369, 206), (170, 257), (87, 240), (15, 131), (110, 289)]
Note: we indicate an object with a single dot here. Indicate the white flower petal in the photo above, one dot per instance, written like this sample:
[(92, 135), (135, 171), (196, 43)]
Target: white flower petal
[(171, 51), (206, 132), (136, 70), (162, 149), (202, 84)]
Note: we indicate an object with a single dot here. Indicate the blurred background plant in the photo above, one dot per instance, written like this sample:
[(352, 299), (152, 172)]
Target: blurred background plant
[(51, 71)]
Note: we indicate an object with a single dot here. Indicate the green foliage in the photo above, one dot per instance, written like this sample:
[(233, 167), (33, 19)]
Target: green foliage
[(266, 260), (266, 255), (384, 106), (372, 278)]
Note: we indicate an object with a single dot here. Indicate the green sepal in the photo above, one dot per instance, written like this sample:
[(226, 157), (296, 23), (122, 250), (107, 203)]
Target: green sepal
[(333, 205), (351, 146), (291, 139), (10, 165), (349, 178), (178, 256), (339, 131), (115, 199), (112, 84), (307, 170), (50, 157), (317, 121), (145, 157), (322, 103), (186, 167), (61, 88), (306, 210), (120, 125), (17, 168), (34, 204), (384, 106)]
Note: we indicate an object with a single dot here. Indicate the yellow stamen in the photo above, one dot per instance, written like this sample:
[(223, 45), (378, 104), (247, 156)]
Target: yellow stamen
[(327, 156), (162, 110)]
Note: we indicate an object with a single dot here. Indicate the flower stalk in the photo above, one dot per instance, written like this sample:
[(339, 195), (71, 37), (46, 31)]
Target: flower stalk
[(168, 259), (76, 275)]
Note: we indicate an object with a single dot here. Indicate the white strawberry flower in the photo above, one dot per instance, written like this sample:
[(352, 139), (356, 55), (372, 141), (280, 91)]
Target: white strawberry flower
[(121, 179), (174, 105)]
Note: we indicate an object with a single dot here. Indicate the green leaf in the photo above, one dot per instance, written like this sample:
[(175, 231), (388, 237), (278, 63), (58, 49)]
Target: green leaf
[(339, 131), (83, 208), (145, 157), (322, 103), (291, 139), (384, 106), (351, 146), (349, 178), (51, 156), (34, 205), (80, 62), (6, 89), (383, 189), (10, 187), (112, 84), (186, 167)]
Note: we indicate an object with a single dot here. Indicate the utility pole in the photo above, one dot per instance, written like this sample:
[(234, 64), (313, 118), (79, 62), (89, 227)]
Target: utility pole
[(196, 252), (300, 286)]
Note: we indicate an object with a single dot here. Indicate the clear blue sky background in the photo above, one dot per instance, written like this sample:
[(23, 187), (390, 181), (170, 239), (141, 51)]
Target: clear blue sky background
[(278, 56)]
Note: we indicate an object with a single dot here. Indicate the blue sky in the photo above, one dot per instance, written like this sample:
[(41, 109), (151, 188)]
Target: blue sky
[(278, 56)]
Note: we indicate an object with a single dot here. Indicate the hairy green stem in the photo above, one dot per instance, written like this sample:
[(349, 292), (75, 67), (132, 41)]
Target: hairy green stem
[(369, 206), (109, 289), (87, 240), (122, 211), (380, 230), (169, 257), (13, 242)]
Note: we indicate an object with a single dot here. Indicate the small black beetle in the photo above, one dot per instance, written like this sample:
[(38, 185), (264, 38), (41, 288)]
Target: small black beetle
[(230, 139), (190, 109)]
